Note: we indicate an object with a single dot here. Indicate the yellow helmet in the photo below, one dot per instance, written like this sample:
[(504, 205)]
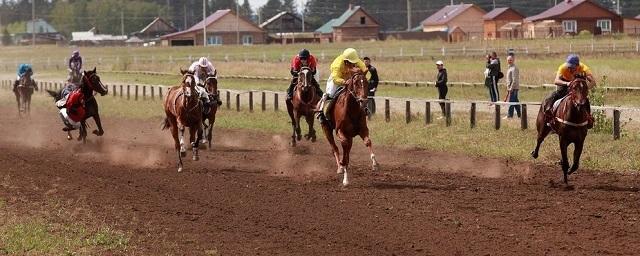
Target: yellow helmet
[(350, 55)]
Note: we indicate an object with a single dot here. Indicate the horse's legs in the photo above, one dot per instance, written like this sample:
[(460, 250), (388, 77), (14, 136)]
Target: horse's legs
[(194, 139), (293, 122), (542, 134), (336, 153), (312, 132), (183, 150), (577, 152), (176, 140), (69, 137), (565, 161), (298, 131), (367, 142), (83, 132), (99, 131), (344, 164)]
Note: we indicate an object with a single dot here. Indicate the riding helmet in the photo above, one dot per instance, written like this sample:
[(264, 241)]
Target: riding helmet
[(573, 60), (203, 62), (351, 55), (304, 54), (76, 53)]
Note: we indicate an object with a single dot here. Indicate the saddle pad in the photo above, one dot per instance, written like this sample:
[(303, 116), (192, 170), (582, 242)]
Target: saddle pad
[(556, 104)]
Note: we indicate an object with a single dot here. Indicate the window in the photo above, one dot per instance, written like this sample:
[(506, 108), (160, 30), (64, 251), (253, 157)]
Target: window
[(362, 20), (604, 25), (569, 26), (247, 39), (214, 40)]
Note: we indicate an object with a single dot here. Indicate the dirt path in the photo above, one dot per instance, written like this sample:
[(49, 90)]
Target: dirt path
[(252, 195)]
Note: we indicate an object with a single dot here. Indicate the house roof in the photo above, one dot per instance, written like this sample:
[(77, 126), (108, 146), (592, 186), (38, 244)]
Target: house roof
[(274, 18), (337, 22), (560, 9), (637, 17), (447, 13), (157, 20), (208, 21), (493, 14)]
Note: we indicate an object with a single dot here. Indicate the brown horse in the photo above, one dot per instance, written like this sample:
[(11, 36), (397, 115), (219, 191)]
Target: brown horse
[(182, 107), (23, 92), (570, 123), (211, 85), (302, 104), (349, 117)]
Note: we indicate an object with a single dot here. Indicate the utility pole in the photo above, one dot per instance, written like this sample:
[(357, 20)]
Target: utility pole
[(494, 4), (237, 22), (204, 22), (33, 22), (408, 15), (618, 7), (304, 9), (184, 9), (121, 22)]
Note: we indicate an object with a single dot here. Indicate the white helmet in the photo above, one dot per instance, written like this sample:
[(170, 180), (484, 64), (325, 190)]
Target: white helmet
[(203, 62), (439, 62)]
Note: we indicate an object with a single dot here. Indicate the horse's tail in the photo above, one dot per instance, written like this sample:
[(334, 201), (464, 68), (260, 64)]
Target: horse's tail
[(54, 94), (165, 124)]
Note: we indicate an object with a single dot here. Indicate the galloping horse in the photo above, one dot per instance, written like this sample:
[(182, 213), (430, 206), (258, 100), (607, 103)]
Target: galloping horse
[(303, 103), (23, 93), (211, 85), (89, 83), (349, 117), (570, 123), (182, 107)]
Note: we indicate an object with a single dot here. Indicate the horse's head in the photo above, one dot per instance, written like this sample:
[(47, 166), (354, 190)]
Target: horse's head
[(188, 84), (358, 87), (305, 78), (211, 84), (579, 91), (91, 82)]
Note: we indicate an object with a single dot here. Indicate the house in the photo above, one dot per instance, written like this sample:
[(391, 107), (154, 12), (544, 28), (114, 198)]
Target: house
[(570, 17), (157, 28), (353, 25), (44, 33), (464, 18), (286, 27), (632, 25), (495, 21), (91, 38), (223, 27)]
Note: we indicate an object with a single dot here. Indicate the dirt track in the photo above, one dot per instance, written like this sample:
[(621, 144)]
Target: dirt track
[(252, 195)]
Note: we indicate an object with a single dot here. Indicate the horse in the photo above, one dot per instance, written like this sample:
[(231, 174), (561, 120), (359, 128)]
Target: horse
[(303, 103), (89, 83), (208, 119), (183, 107), (349, 117), (570, 123), (23, 92)]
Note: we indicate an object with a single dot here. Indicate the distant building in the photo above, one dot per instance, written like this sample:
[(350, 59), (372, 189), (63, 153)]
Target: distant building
[(157, 28), (632, 26), (503, 23), (353, 25), (461, 22), (44, 32), (570, 17), (223, 27), (286, 27), (90, 38)]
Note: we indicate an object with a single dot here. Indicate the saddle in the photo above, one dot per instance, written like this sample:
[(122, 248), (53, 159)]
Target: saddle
[(328, 106), (556, 104)]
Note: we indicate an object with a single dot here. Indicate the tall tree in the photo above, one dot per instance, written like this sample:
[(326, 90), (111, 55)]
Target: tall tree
[(6, 37), (289, 6), (246, 11), (270, 9), (221, 5), (63, 17)]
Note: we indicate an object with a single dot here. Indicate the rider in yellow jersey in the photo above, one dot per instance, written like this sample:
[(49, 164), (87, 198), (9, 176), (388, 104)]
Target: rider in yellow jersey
[(567, 73), (342, 68)]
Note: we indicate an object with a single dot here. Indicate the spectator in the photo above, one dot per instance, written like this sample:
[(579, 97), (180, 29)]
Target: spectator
[(513, 86), (493, 74), (373, 84), (441, 84)]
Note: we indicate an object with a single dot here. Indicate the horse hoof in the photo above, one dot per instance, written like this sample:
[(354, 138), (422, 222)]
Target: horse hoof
[(98, 133), (299, 138), (534, 155), (196, 158), (183, 153), (179, 169), (69, 137), (375, 167), (340, 170)]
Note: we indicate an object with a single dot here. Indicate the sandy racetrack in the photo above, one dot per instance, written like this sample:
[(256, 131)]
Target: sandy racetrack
[(251, 195)]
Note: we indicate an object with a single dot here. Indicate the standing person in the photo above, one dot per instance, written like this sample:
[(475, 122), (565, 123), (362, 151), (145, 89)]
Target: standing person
[(493, 74), (441, 84), (513, 86), (373, 84)]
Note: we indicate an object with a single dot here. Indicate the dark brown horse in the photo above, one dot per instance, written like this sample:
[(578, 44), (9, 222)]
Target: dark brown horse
[(23, 92), (209, 119), (182, 107), (303, 103), (570, 123), (349, 117)]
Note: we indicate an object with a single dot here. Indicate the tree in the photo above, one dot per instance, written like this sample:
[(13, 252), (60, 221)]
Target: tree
[(245, 10), (289, 6), (6, 37), (63, 17), (270, 9), (221, 5)]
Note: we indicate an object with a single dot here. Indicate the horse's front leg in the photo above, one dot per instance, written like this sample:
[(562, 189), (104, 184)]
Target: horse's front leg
[(183, 150), (344, 164), (328, 132), (99, 131), (83, 132), (577, 152), (312, 132), (176, 141), (298, 131), (195, 135), (367, 142), (565, 161)]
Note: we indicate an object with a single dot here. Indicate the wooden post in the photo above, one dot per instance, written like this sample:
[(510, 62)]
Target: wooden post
[(387, 111), (264, 101), (113, 88), (160, 92), (238, 102), (407, 112), (144, 92), (136, 96), (524, 124), (447, 113), (228, 100), (275, 101), (497, 117), (250, 101), (472, 115), (427, 112), (120, 91), (128, 94), (153, 94), (616, 124)]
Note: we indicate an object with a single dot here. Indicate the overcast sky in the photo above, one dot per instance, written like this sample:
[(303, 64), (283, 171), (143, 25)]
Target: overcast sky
[(259, 3)]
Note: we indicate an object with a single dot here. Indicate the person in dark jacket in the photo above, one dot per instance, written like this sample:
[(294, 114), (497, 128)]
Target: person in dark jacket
[(373, 84), (441, 84), (493, 74)]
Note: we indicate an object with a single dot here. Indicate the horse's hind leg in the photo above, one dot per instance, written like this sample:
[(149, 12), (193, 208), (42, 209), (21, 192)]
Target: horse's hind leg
[(312, 132), (336, 153), (542, 134), (177, 145), (298, 131), (577, 152), (565, 161), (367, 142), (83, 132), (99, 131)]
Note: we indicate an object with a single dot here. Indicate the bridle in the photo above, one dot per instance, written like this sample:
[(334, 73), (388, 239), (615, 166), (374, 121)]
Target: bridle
[(358, 77), (575, 87), (89, 81)]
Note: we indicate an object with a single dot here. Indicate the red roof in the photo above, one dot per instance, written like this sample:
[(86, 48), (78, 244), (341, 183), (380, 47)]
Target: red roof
[(199, 26), (446, 14), (499, 11), (562, 8)]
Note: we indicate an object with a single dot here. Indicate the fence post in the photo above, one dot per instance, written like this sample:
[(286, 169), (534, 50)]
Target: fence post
[(473, 115), (144, 92), (228, 100), (497, 117), (616, 124), (407, 112), (250, 101), (128, 94), (160, 92), (264, 101), (427, 112), (153, 96), (113, 88), (387, 111), (275, 101), (238, 102), (447, 113), (120, 91), (136, 97), (523, 117)]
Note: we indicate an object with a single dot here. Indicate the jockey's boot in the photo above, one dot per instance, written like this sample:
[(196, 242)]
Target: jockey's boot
[(290, 91), (320, 110)]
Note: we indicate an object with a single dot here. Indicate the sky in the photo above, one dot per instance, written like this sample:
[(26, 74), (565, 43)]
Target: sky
[(255, 4)]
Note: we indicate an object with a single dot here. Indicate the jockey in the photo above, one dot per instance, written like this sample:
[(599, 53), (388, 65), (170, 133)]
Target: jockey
[(342, 68), (73, 110), (201, 69), (23, 70), (74, 64), (567, 73), (303, 59)]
